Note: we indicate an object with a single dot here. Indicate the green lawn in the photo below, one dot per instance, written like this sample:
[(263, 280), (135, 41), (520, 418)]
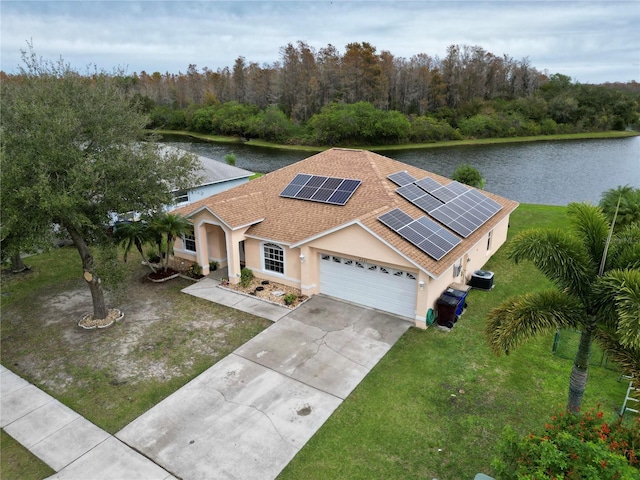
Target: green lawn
[(436, 404), (18, 463)]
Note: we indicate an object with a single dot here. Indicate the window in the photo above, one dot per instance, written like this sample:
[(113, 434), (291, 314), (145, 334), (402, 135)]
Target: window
[(273, 258), (189, 242), (181, 196)]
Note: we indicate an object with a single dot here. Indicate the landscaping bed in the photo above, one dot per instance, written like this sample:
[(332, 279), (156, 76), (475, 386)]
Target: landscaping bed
[(271, 291)]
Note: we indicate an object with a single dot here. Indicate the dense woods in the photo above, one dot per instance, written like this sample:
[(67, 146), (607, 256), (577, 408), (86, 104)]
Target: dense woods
[(361, 96)]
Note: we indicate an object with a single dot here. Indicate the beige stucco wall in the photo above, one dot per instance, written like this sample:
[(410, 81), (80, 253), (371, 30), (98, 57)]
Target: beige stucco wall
[(216, 242), (474, 259)]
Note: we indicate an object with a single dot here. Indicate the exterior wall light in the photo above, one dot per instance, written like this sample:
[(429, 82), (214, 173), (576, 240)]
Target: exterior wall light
[(302, 258), (421, 284)]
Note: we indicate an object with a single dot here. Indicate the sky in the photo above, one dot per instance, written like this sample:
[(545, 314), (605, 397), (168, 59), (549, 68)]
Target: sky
[(591, 42)]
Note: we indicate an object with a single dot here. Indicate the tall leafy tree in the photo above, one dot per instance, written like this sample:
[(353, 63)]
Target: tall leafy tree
[(577, 263), (73, 156)]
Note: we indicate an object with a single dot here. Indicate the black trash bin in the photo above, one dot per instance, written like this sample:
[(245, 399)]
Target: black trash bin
[(460, 296), (447, 306)]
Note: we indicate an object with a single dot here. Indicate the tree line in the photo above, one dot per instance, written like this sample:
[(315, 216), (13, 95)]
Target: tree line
[(325, 97), (361, 96)]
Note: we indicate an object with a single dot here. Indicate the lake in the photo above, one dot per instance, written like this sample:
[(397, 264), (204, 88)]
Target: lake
[(547, 172)]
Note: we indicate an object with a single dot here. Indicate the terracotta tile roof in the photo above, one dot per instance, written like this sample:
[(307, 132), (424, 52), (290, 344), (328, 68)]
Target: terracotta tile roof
[(291, 221)]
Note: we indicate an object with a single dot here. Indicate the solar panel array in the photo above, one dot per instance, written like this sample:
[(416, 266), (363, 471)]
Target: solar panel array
[(424, 233), (455, 205), (316, 188), (467, 212)]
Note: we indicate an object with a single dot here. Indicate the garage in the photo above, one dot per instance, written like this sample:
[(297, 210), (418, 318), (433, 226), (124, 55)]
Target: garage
[(375, 286)]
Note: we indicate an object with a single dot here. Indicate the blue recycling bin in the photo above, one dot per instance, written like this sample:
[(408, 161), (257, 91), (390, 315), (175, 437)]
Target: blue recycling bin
[(460, 296)]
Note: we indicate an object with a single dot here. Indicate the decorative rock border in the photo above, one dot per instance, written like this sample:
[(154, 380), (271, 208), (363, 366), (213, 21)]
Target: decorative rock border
[(88, 323), (165, 279)]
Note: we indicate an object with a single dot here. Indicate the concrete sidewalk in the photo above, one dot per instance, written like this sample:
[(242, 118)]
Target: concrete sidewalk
[(71, 445)]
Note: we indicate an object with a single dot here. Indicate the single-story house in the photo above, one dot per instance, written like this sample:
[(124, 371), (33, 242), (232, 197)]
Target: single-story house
[(215, 177), (354, 225)]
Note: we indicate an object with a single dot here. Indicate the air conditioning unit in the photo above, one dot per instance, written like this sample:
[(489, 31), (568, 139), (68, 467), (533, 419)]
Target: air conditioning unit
[(482, 279)]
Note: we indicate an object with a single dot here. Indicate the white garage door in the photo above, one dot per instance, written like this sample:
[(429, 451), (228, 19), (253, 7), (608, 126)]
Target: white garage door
[(367, 284)]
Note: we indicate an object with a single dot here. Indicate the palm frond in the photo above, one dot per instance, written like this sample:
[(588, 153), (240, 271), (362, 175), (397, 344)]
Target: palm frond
[(519, 319), (592, 227), (626, 357), (617, 296), (624, 251), (561, 257)]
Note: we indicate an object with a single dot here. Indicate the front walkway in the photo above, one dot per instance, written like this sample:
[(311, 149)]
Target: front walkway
[(207, 288)]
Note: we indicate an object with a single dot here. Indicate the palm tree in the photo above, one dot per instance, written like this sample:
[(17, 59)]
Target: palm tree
[(576, 262), (171, 226), (135, 233), (624, 202)]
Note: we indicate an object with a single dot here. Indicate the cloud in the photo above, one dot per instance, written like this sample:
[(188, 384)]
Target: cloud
[(591, 41)]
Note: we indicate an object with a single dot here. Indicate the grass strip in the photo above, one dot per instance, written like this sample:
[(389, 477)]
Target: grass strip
[(613, 134), (18, 463)]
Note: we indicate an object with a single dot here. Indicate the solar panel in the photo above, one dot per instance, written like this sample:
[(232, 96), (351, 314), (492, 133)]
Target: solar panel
[(424, 233), (401, 178), (419, 197), (428, 184), (444, 194), (467, 212), (427, 203), (395, 219), (411, 192), (457, 187), (317, 188)]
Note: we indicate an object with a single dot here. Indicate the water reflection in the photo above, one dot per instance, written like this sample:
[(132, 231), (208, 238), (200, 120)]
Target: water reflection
[(552, 173)]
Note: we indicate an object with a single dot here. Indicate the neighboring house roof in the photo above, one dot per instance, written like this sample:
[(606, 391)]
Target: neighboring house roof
[(213, 171), (293, 222)]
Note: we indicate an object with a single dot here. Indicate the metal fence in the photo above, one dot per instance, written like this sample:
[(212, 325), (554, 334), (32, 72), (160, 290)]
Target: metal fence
[(565, 345)]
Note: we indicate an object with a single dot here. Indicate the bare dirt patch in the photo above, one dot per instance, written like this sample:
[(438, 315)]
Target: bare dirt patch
[(164, 334)]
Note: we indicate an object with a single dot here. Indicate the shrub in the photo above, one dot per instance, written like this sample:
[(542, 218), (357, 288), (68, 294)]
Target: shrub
[(573, 446), (195, 271), (289, 298), (246, 275), (468, 175), (152, 256)]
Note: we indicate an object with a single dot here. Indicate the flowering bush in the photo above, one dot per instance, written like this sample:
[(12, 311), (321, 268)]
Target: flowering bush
[(573, 446)]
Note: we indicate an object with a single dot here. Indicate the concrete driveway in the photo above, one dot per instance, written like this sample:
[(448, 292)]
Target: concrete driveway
[(248, 415)]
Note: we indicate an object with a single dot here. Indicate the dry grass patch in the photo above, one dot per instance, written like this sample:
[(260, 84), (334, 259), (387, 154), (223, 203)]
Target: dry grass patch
[(113, 375)]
